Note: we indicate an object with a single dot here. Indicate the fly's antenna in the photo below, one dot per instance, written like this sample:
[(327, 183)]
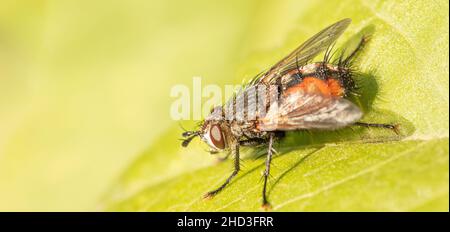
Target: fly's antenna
[(190, 133), (186, 142), (189, 136)]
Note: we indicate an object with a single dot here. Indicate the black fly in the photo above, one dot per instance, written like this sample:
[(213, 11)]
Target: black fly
[(294, 94)]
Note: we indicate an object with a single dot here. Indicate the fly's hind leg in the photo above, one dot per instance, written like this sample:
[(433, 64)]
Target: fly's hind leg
[(227, 181), (347, 61), (393, 127), (265, 202)]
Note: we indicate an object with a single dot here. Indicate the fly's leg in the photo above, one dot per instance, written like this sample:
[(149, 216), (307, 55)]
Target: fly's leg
[(235, 172), (352, 55), (394, 127), (265, 202)]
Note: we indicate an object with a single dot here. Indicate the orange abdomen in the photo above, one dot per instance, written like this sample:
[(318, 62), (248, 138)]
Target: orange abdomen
[(328, 87)]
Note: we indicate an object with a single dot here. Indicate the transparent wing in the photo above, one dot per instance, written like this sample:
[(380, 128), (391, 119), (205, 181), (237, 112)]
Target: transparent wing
[(309, 111), (306, 52)]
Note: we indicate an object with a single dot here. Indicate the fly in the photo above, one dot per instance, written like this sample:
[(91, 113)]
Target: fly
[(294, 94)]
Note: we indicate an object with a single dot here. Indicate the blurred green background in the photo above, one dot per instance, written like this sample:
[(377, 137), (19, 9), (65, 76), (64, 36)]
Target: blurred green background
[(84, 85)]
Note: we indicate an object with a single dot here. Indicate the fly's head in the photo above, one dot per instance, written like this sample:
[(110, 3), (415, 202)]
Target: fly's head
[(213, 131), (214, 134)]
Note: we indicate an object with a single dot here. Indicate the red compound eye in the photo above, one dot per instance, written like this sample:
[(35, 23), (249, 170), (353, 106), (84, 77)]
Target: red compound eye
[(217, 137)]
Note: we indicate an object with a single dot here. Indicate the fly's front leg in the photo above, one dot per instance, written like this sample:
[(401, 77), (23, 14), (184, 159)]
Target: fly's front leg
[(235, 172), (265, 202), (394, 127)]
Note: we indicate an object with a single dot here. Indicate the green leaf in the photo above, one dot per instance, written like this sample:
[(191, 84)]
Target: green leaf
[(405, 81)]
